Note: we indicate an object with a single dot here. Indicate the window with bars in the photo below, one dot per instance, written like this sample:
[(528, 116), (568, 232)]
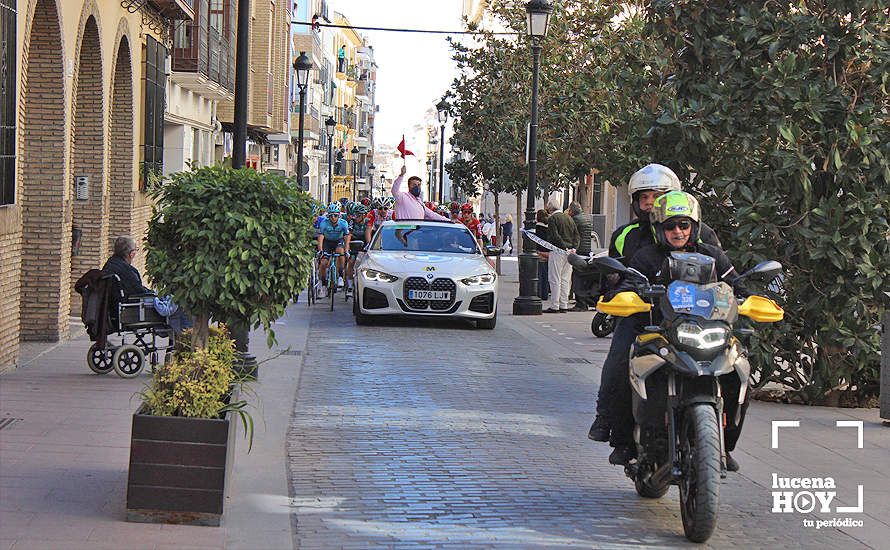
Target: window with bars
[(7, 100), (155, 83)]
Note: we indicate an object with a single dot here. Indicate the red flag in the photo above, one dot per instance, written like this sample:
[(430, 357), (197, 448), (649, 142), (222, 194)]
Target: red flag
[(402, 149)]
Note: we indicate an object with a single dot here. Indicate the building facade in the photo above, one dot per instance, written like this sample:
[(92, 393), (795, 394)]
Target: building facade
[(82, 118)]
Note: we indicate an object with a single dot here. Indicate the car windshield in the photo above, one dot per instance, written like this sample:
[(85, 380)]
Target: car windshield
[(425, 238)]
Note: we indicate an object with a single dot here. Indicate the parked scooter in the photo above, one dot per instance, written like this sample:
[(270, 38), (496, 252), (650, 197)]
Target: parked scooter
[(682, 373)]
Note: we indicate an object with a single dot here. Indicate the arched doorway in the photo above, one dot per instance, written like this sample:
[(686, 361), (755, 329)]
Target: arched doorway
[(89, 233), (120, 202), (46, 213)]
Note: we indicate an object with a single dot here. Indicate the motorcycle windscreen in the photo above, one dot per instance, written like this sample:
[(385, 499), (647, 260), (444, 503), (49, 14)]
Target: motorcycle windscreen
[(713, 301)]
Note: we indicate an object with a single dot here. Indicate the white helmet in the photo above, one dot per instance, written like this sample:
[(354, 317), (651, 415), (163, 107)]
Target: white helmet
[(653, 177)]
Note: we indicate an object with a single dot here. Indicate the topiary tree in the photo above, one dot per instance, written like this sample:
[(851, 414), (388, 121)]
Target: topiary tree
[(781, 111), (230, 244)]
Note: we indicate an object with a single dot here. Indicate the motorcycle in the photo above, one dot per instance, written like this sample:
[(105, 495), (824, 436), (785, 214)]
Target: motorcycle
[(602, 324), (689, 377)]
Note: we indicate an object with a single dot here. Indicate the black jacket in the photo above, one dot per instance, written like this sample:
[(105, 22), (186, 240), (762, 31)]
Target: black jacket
[(584, 223), (131, 281), (630, 237), (651, 261)]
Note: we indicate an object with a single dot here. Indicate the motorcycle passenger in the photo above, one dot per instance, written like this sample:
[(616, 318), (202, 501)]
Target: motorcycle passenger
[(645, 185), (333, 237), (675, 222)]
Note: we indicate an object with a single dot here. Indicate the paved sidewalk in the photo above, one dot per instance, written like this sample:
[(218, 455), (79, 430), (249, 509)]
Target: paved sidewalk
[(64, 461)]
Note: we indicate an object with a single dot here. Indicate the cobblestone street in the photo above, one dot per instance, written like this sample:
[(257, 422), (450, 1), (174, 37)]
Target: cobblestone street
[(434, 434)]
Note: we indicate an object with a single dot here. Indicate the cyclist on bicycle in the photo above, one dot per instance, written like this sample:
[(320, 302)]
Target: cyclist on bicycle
[(333, 238), (358, 224), (380, 213)]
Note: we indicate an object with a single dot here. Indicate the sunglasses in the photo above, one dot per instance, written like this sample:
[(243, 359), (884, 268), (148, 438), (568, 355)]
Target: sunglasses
[(334, 215), (670, 225)]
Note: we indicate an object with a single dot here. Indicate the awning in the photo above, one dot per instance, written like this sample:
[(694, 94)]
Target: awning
[(278, 139)]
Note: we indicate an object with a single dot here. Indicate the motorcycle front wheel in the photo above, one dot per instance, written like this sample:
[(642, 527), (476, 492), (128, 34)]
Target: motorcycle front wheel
[(700, 461), (602, 325)]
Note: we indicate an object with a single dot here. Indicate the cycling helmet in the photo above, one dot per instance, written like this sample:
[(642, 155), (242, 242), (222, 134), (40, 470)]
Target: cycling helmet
[(675, 204), (389, 202), (378, 204), (652, 177), (334, 208), (441, 210), (366, 201), (454, 206), (466, 207), (350, 208), (361, 209), (344, 201)]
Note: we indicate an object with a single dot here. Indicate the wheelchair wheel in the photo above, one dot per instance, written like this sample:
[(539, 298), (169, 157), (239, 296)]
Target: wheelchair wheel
[(128, 361), (99, 359)]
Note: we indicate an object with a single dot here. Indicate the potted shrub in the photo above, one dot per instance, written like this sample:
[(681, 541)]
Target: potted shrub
[(226, 244)]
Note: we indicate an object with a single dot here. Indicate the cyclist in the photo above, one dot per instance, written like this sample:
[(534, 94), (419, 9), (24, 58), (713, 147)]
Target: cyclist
[(333, 238), (468, 219), (358, 225), (381, 212)]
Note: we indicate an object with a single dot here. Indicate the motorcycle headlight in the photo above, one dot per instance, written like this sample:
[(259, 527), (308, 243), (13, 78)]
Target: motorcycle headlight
[(379, 276), (486, 279), (695, 336)]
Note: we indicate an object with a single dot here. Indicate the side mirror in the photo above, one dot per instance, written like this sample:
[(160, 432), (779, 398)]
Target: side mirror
[(356, 246), (764, 271), (492, 251), (607, 264)]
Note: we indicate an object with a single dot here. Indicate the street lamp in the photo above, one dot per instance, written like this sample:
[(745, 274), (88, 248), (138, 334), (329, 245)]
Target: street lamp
[(354, 164), (382, 183), (528, 302), (302, 66), (429, 173), (329, 125), (442, 108)]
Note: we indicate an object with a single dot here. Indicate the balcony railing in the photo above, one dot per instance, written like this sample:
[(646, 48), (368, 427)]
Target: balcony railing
[(175, 9), (200, 48)]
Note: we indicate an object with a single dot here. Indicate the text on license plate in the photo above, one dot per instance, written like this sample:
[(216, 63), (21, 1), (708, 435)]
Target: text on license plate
[(429, 295)]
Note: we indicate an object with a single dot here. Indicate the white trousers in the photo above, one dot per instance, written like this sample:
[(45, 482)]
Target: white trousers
[(559, 273)]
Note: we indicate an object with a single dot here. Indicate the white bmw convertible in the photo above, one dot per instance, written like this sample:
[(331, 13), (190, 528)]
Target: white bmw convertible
[(426, 268)]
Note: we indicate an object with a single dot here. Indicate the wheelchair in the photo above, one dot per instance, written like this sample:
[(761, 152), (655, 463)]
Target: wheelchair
[(135, 321)]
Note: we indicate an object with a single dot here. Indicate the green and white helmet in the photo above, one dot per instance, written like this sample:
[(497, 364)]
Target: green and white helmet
[(675, 204)]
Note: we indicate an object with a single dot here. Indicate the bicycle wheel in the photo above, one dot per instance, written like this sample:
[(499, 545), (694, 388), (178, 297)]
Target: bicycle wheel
[(332, 281), (310, 286)]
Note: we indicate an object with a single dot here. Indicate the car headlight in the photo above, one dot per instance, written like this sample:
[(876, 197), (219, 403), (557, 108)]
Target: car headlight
[(379, 276), (486, 279), (695, 336)]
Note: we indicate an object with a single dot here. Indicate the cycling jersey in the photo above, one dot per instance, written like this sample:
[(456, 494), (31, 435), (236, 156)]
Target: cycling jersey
[(375, 218), (358, 226), (473, 226), (333, 232)]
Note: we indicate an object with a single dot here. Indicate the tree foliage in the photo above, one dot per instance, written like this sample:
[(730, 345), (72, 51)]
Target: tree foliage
[(781, 112), (230, 244)]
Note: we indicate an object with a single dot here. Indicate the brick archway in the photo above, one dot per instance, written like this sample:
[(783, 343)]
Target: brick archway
[(88, 160), (120, 203), (46, 211)]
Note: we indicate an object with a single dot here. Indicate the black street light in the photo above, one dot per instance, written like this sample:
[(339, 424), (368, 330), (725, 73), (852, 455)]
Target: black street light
[(382, 183), (302, 66), (239, 135), (329, 126), (528, 302), (442, 108), (429, 173), (354, 175)]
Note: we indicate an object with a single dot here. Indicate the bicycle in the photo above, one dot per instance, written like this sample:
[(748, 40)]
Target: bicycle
[(311, 283), (332, 274)]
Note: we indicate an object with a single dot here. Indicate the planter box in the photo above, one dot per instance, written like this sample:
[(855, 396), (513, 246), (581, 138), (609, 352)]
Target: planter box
[(179, 468)]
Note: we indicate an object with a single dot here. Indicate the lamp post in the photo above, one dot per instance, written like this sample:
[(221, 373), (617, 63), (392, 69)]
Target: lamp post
[(528, 302), (429, 173), (302, 66), (382, 183), (442, 108), (370, 180), (354, 175), (329, 125)]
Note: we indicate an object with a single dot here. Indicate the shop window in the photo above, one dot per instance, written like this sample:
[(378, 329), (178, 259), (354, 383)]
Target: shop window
[(155, 84)]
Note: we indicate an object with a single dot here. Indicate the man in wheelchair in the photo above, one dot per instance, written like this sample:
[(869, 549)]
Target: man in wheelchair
[(116, 301)]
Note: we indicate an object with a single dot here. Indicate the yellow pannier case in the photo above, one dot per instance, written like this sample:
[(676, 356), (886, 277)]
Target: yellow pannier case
[(624, 304), (762, 310)]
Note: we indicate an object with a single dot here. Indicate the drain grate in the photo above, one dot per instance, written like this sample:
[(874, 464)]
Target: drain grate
[(7, 422), (292, 352), (573, 360)]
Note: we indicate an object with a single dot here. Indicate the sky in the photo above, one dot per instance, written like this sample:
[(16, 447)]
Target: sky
[(414, 70)]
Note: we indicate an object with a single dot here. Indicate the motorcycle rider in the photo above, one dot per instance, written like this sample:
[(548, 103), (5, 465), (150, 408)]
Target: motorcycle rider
[(645, 185), (675, 222)]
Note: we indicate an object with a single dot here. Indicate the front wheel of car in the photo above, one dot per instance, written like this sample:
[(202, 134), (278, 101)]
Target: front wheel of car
[(360, 318), (488, 324)]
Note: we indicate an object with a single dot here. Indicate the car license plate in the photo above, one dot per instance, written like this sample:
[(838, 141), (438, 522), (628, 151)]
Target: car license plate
[(429, 295)]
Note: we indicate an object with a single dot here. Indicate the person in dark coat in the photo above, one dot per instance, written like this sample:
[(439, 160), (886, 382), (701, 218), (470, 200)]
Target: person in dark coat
[(582, 284), (121, 264), (507, 232), (541, 231)]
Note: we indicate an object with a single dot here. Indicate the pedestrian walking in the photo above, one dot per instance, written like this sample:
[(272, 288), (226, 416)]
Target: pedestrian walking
[(564, 236), (507, 232)]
